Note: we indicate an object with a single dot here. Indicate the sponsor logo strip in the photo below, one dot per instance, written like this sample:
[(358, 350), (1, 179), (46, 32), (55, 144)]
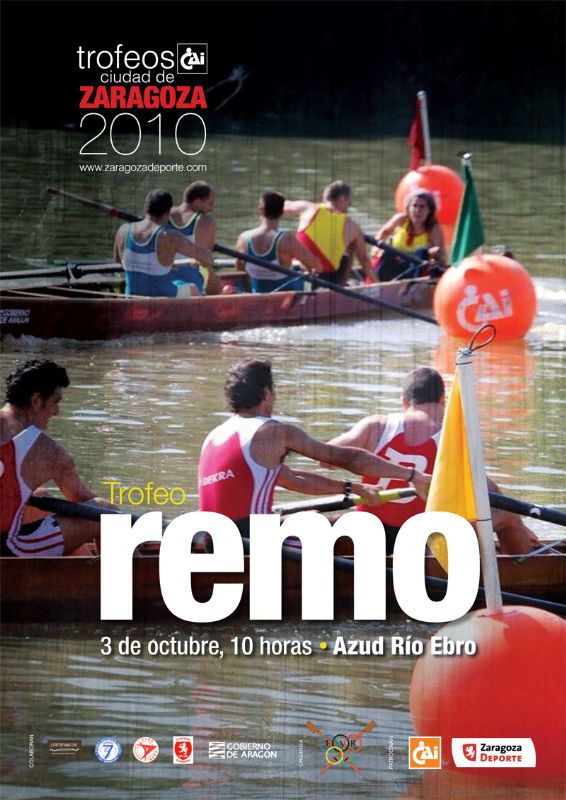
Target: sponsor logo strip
[(494, 752)]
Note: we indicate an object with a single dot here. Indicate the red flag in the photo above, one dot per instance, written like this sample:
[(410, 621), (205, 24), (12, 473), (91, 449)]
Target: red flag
[(416, 139)]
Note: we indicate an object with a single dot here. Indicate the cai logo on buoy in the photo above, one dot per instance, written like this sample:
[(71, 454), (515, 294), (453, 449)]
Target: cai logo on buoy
[(494, 753), (182, 750), (425, 752)]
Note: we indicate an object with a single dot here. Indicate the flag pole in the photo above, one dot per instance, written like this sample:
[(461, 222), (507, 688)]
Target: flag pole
[(483, 523), (468, 235), (421, 97)]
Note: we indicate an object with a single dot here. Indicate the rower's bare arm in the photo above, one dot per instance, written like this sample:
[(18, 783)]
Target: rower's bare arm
[(294, 208), (354, 459), (184, 245), (437, 249), (311, 483), (357, 246), (213, 284), (205, 235), (119, 241), (70, 482), (241, 247), (365, 434), (389, 228)]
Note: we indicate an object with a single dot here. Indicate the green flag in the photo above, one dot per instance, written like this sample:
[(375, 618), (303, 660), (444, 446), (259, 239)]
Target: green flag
[(469, 228)]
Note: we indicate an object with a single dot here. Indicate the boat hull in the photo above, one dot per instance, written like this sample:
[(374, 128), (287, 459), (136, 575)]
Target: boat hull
[(58, 590), (78, 313)]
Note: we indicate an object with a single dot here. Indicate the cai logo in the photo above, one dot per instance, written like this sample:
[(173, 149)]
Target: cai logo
[(108, 750), (192, 59), (182, 750), (425, 752), (145, 749), (494, 753), (342, 748)]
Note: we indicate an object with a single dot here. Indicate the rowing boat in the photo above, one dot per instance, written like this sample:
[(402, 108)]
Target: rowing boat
[(92, 307), (67, 589)]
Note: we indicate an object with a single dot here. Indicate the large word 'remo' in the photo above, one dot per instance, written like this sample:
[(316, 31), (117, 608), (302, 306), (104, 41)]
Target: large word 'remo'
[(267, 534)]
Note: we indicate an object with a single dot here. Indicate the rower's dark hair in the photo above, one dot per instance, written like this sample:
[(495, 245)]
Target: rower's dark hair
[(273, 204), (157, 202), (423, 385), (36, 375), (198, 190), (335, 190), (246, 383)]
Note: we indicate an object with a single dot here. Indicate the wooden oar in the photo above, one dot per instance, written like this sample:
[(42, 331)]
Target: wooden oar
[(339, 502), (128, 216), (314, 278), (113, 211), (65, 508), (70, 270)]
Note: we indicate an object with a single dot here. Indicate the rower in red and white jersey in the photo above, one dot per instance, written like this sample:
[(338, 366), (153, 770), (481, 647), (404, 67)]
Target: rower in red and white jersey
[(231, 482), (242, 460), (44, 538), (410, 439), (397, 446), (29, 458)]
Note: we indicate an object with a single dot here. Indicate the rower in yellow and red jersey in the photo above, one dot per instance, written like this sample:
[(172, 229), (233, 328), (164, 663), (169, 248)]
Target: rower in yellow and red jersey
[(415, 231), (330, 234)]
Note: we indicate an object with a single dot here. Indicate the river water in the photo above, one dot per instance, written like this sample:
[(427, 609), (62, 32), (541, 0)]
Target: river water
[(138, 410)]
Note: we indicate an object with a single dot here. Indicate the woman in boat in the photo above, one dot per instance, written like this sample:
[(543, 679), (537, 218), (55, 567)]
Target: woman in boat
[(416, 231)]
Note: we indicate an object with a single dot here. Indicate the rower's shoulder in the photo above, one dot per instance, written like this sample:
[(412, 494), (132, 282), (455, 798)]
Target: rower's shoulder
[(207, 221)]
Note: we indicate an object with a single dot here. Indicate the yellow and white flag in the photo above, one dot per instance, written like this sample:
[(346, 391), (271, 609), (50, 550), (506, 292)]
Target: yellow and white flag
[(451, 488)]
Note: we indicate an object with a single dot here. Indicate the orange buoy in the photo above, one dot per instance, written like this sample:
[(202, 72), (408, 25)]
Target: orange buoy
[(514, 687), (482, 289), (446, 187)]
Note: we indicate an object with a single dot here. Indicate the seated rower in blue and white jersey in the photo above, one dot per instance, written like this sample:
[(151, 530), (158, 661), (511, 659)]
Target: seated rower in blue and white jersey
[(192, 219), (147, 250), (274, 245)]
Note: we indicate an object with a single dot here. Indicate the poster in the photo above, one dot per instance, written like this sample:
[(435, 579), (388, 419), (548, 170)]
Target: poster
[(289, 96)]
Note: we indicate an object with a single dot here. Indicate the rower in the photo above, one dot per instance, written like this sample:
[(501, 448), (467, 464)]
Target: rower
[(415, 231), (241, 460), (192, 219), (266, 241), (29, 458), (410, 438), (147, 250), (330, 234)]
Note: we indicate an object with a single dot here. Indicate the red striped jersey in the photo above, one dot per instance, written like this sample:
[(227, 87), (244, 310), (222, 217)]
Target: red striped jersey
[(230, 482), (392, 446)]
